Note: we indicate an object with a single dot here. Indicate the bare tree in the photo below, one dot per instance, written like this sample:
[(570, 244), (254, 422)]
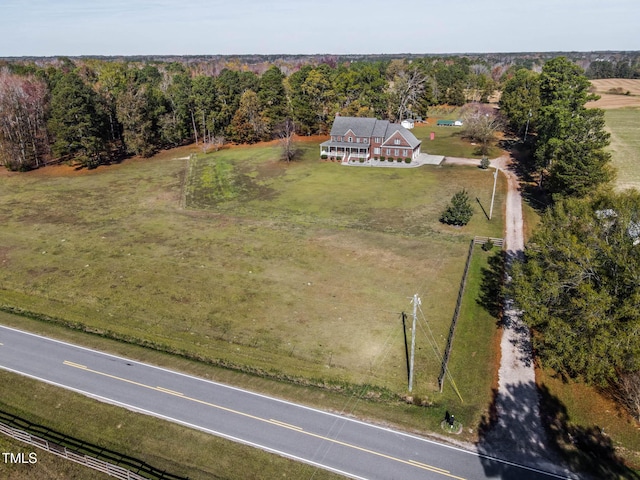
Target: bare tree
[(629, 392), (23, 134), (405, 90), (285, 133), (480, 125)]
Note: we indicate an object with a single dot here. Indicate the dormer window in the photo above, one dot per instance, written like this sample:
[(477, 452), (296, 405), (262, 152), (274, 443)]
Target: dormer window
[(396, 141)]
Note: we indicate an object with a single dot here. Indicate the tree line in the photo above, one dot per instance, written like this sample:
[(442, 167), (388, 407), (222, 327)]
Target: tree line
[(96, 111), (578, 285)]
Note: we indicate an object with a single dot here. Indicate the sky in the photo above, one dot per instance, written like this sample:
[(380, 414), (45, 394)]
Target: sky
[(201, 27)]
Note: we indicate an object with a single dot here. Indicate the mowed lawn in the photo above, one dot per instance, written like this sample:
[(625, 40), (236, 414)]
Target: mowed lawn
[(298, 269), (624, 125)]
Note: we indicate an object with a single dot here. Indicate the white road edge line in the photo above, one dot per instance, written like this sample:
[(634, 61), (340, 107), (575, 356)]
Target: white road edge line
[(186, 424), (397, 432)]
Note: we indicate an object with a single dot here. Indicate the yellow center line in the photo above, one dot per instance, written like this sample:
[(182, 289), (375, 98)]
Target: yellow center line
[(172, 392), (76, 365), (286, 425), (411, 463), (424, 465)]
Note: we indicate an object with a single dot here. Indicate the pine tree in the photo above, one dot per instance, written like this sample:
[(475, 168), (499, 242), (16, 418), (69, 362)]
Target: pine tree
[(459, 211), (578, 287)]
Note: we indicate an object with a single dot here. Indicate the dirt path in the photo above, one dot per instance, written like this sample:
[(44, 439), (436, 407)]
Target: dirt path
[(516, 432)]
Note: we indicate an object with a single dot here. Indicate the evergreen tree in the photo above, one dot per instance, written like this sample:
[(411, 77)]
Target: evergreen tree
[(571, 139), (578, 287), (273, 99), (459, 211), (520, 101), (76, 122)]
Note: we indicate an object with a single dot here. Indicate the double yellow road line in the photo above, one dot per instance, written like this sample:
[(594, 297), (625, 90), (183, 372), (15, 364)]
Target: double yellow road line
[(271, 421)]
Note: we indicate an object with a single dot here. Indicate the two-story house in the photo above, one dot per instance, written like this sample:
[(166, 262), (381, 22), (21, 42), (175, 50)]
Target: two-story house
[(369, 138)]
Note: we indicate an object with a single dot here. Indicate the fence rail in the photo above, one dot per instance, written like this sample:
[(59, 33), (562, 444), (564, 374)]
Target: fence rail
[(85, 453), (498, 242)]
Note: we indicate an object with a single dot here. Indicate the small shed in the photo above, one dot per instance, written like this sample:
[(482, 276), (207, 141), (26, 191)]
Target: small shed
[(407, 123), (444, 123)]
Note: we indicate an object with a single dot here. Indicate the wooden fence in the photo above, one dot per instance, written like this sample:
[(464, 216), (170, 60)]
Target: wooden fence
[(137, 470), (498, 242)]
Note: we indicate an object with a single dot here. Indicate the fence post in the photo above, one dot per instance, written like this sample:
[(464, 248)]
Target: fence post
[(456, 314)]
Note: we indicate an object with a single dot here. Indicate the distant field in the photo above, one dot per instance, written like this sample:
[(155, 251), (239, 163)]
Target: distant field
[(624, 126), (604, 88)]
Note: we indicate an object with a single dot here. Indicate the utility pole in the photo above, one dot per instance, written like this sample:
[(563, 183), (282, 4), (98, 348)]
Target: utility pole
[(527, 129), (493, 195), (416, 302)]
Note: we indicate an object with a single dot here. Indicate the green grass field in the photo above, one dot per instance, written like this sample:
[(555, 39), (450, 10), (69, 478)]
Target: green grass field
[(298, 270), (624, 124)]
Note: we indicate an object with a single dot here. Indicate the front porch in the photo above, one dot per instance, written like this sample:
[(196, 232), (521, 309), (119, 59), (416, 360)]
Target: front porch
[(344, 152)]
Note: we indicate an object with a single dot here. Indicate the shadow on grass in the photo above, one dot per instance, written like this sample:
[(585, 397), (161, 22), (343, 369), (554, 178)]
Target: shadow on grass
[(587, 449), (491, 285)]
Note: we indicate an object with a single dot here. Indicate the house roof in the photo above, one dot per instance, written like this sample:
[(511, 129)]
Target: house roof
[(371, 127), (408, 136), (361, 127)]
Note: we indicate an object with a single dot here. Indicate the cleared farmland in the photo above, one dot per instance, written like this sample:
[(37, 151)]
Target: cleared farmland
[(624, 125), (298, 270), (613, 93)]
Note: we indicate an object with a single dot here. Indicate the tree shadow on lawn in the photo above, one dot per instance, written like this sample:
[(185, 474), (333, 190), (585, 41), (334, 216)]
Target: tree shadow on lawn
[(492, 285), (511, 432)]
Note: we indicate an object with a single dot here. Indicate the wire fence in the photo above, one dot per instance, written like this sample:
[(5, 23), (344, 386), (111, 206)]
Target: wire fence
[(98, 458)]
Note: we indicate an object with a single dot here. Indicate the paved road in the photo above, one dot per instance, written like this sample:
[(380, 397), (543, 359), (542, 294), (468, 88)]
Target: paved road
[(352, 448)]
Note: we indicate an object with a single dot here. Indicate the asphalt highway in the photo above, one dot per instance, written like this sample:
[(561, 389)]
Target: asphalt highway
[(352, 448)]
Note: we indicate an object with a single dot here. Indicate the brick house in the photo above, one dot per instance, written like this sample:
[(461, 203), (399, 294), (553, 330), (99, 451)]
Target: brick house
[(364, 139)]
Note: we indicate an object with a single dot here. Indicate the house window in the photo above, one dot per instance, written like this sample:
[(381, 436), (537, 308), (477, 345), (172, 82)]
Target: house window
[(396, 152), (388, 151), (396, 141), (350, 139), (376, 151), (365, 140), (358, 140), (339, 139), (404, 152)]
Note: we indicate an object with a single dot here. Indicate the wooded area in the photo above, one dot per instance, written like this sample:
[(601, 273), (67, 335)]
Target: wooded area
[(97, 111)]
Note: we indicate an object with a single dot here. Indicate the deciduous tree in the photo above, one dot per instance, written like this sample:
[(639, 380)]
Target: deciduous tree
[(247, 125), (23, 134)]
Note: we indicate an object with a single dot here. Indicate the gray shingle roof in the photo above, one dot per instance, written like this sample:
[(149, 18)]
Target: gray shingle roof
[(371, 127), (409, 137), (362, 127)]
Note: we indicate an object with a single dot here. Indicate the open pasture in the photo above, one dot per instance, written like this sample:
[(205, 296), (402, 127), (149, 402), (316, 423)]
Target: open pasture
[(300, 269), (612, 92), (624, 125)]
